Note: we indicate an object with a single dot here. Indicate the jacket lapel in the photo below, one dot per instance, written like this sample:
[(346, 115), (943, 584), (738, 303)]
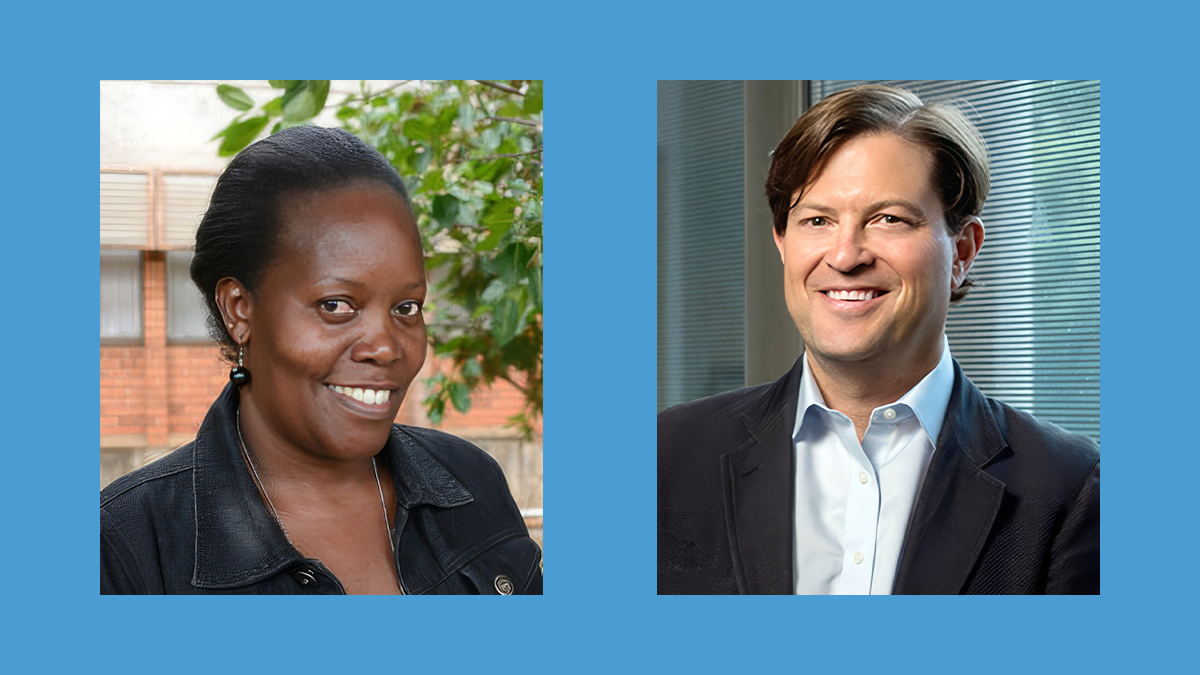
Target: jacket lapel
[(958, 501), (758, 493)]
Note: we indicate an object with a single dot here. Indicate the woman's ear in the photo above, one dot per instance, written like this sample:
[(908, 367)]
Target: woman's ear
[(236, 307)]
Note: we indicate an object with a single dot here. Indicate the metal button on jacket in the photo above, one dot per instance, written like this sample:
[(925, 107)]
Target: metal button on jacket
[(504, 585), (304, 576)]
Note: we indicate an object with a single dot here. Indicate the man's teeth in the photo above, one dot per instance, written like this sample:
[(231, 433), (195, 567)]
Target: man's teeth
[(368, 396), (851, 295)]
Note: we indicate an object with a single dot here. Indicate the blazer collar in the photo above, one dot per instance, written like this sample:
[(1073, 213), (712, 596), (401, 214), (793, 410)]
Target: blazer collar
[(958, 500), (238, 541), (758, 477)]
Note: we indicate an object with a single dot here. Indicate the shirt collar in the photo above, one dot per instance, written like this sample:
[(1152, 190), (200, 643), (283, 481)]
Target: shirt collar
[(238, 541), (928, 399)]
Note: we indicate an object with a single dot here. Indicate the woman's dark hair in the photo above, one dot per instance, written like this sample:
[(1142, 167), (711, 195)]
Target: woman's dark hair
[(960, 157), (239, 234)]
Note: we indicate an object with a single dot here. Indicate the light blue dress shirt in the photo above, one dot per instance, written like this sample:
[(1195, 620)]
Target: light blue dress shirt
[(853, 500)]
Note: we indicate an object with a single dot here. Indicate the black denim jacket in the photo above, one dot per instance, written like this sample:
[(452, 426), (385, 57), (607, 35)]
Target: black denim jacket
[(194, 523)]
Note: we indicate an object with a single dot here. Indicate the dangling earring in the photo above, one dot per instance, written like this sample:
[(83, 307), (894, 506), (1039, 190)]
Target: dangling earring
[(239, 375)]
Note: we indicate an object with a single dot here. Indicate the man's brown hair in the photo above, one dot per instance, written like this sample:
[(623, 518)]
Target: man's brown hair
[(960, 161)]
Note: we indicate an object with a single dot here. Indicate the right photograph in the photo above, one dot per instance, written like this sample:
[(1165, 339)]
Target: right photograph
[(878, 337)]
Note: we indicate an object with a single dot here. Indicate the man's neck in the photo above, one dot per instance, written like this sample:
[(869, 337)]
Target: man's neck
[(856, 388)]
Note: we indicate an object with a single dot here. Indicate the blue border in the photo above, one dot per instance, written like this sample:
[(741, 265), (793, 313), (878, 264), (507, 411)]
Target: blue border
[(600, 63)]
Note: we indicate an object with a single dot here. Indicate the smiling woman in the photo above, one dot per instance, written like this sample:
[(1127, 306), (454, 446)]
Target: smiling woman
[(298, 482)]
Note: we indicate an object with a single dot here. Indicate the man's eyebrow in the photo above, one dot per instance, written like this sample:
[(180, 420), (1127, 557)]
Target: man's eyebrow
[(882, 204), (896, 202), (814, 207)]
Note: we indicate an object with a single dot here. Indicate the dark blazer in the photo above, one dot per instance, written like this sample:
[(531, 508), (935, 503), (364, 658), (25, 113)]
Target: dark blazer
[(1009, 504), (194, 523)]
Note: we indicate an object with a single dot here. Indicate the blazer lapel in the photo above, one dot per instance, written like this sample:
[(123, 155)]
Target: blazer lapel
[(958, 500), (757, 479)]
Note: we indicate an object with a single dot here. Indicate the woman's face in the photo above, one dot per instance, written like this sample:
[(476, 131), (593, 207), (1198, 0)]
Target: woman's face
[(338, 311)]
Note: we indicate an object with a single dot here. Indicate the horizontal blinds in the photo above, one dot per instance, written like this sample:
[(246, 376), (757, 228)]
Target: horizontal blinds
[(124, 210), (185, 198), (701, 232), (1029, 333)]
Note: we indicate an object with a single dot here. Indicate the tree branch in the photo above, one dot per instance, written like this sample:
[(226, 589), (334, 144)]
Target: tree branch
[(517, 120), (501, 87), (508, 154), (371, 95)]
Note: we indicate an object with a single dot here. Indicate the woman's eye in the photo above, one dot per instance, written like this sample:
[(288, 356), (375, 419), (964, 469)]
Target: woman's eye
[(340, 307), (410, 308), (891, 220), (818, 221)]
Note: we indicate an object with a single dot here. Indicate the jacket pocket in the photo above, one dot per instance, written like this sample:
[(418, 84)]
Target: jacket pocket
[(510, 568)]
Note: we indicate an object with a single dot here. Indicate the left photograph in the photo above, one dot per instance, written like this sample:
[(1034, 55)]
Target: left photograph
[(321, 337)]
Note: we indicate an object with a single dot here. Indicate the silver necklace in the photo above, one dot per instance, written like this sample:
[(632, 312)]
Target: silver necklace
[(387, 524)]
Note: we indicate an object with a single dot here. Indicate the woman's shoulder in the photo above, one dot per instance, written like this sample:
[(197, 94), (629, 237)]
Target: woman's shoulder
[(455, 453), (161, 474)]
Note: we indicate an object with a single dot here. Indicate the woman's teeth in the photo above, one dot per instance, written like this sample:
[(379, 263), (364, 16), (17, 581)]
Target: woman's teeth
[(368, 396)]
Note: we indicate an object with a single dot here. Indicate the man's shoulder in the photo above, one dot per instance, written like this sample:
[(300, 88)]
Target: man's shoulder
[(712, 425), (1057, 453), (723, 406)]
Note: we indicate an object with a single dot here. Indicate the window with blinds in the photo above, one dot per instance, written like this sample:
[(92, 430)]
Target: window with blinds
[(186, 313), (1029, 333), (701, 240), (120, 297)]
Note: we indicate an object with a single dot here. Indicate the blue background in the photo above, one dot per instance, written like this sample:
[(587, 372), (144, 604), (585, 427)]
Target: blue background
[(600, 63)]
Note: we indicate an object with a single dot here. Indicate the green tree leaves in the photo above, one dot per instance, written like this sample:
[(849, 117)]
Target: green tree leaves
[(234, 97)]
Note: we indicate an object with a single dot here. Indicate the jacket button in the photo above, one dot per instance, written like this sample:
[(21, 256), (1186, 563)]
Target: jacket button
[(304, 576), (504, 585)]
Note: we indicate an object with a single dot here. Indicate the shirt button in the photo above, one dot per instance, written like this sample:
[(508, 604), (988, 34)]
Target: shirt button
[(857, 558), (889, 414), (862, 478)]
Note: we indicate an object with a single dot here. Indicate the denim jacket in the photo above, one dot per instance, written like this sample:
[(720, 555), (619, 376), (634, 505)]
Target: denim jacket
[(194, 523)]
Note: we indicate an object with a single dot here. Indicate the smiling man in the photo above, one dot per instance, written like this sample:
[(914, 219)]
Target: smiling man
[(874, 466)]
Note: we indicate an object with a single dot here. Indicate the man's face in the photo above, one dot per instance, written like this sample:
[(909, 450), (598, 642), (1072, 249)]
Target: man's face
[(868, 261)]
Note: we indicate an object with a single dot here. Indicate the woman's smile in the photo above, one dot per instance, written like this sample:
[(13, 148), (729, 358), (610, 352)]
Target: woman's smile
[(372, 403)]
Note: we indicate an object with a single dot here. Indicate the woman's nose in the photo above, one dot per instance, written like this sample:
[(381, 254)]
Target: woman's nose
[(380, 341)]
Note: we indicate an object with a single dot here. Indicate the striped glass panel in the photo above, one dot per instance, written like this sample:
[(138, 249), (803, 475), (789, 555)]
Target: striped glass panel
[(1029, 333), (701, 233)]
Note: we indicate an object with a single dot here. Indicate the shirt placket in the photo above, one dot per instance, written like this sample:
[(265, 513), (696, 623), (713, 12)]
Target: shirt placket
[(862, 518)]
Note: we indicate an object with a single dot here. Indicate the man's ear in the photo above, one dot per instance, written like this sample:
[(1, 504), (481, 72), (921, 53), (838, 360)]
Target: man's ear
[(966, 246), (779, 245), (236, 307)]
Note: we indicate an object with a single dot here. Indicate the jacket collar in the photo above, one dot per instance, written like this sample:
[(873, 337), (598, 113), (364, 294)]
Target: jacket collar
[(958, 501), (238, 541), (955, 509)]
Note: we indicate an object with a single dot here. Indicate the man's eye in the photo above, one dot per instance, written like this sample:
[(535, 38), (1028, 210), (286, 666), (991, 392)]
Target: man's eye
[(409, 308), (891, 220), (340, 307)]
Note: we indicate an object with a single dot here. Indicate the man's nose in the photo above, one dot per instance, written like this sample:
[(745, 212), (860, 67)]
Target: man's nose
[(849, 250)]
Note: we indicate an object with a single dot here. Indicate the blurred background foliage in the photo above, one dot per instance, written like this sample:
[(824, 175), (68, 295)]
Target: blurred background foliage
[(470, 153)]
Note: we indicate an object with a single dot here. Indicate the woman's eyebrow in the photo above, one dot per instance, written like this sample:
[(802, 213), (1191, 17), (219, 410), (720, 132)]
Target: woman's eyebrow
[(412, 285)]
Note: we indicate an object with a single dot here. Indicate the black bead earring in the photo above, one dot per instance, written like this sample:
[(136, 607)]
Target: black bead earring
[(239, 375)]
